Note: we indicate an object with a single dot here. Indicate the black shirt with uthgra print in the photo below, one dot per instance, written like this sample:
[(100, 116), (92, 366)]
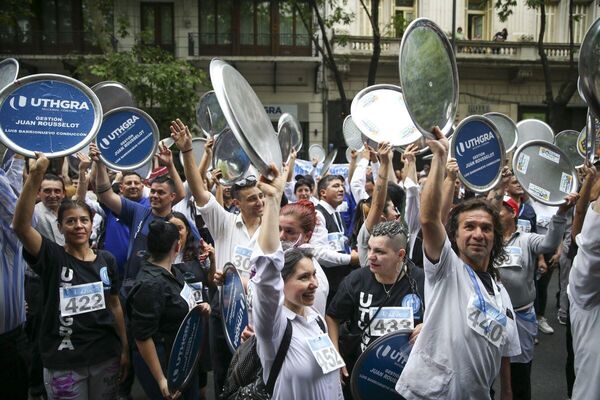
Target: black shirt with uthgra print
[(360, 291), (83, 339)]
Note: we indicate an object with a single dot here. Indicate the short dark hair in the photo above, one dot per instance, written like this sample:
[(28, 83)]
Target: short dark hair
[(165, 179), (292, 257), (68, 204), (498, 253), (161, 237), (52, 177), (304, 180), (326, 180), (237, 187), (127, 173)]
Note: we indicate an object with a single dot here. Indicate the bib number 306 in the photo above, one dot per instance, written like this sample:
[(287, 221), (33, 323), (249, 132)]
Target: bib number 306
[(81, 299)]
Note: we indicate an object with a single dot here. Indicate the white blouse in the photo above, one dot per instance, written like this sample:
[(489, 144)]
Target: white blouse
[(300, 376)]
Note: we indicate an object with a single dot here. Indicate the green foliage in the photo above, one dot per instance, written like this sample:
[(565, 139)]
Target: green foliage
[(163, 86), (504, 8), (13, 10)]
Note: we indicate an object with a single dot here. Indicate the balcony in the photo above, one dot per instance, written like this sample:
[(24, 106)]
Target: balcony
[(361, 47), (250, 45), (44, 43)]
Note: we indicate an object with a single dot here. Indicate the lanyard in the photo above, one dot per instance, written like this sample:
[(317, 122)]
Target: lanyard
[(481, 299)]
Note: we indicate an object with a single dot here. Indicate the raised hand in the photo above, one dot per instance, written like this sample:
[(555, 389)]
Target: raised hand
[(452, 168), (384, 150), (440, 144), (40, 164), (164, 155), (181, 135), (94, 153), (84, 161)]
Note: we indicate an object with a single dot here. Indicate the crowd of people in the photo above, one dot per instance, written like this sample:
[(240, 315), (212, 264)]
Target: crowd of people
[(100, 269)]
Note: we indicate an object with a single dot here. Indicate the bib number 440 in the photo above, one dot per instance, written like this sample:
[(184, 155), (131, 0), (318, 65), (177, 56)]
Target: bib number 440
[(488, 328)]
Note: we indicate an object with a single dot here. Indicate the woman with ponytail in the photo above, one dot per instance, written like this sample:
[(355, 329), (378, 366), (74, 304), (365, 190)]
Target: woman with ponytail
[(156, 306)]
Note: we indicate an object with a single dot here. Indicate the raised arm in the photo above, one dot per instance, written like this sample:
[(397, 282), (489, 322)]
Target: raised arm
[(104, 190), (410, 163), (352, 166), (268, 238), (206, 160), (584, 198), (82, 186), (165, 157), (381, 183), (448, 188), (183, 139), (434, 233), (31, 239)]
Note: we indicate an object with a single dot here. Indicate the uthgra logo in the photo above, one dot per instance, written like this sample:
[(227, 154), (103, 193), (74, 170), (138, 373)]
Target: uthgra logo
[(23, 101), (386, 351), (474, 142), (105, 141)]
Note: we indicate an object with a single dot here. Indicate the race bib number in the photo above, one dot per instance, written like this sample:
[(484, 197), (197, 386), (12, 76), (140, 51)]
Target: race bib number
[(81, 299), (490, 324), (197, 291), (326, 355), (187, 293), (523, 226), (336, 241), (390, 319), (514, 257), (241, 259)]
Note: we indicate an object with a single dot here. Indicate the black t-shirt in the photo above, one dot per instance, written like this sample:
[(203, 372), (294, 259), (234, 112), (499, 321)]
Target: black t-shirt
[(85, 338), (155, 306), (360, 291), (195, 273)]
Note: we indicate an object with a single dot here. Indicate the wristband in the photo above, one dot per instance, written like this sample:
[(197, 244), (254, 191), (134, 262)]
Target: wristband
[(188, 150)]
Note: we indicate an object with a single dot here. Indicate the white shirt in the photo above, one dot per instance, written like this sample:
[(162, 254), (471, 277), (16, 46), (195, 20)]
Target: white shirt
[(359, 179), (326, 255), (228, 231), (584, 296), (300, 376), (46, 224), (449, 360)]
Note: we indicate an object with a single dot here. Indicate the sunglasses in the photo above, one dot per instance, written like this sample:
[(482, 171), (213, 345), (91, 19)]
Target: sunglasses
[(250, 180)]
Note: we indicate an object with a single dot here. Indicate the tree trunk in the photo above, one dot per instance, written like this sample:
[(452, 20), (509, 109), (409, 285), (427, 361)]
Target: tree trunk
[(376, 43), (329, 54)]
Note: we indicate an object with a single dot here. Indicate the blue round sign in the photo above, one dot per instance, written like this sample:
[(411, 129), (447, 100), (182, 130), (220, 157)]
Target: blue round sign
[(185, 351), (479, 152), (234, 309), (52, 114), (379, 367), (127, 139)]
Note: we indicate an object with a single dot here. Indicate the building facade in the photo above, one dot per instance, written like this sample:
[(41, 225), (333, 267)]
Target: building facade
[(269, 42)]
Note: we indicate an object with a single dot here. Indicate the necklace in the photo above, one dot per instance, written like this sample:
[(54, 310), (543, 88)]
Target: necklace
[(388, 291)]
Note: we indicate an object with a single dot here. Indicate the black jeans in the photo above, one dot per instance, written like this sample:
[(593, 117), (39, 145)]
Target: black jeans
[(520, 378), (541, 289), (15, 358)]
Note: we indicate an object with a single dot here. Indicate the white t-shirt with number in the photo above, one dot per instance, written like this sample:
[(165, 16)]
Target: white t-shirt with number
[(232, 242), (457, 355)]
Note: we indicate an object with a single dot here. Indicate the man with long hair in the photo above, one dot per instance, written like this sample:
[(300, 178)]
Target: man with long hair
[(469, 330)]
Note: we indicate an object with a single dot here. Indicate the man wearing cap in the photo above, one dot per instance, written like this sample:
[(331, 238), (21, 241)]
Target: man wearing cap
[(469, 331), (517, 272)]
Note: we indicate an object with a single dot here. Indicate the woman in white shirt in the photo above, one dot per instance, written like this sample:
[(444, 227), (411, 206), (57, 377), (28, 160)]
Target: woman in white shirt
[(284, 288)]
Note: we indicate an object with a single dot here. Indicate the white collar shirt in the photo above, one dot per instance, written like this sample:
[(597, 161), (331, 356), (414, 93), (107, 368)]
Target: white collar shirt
[(300, 376), (229, 233)]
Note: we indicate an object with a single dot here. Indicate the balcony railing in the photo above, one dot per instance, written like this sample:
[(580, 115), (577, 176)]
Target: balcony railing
[(362, 46), (209, 44), (50, 43)]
